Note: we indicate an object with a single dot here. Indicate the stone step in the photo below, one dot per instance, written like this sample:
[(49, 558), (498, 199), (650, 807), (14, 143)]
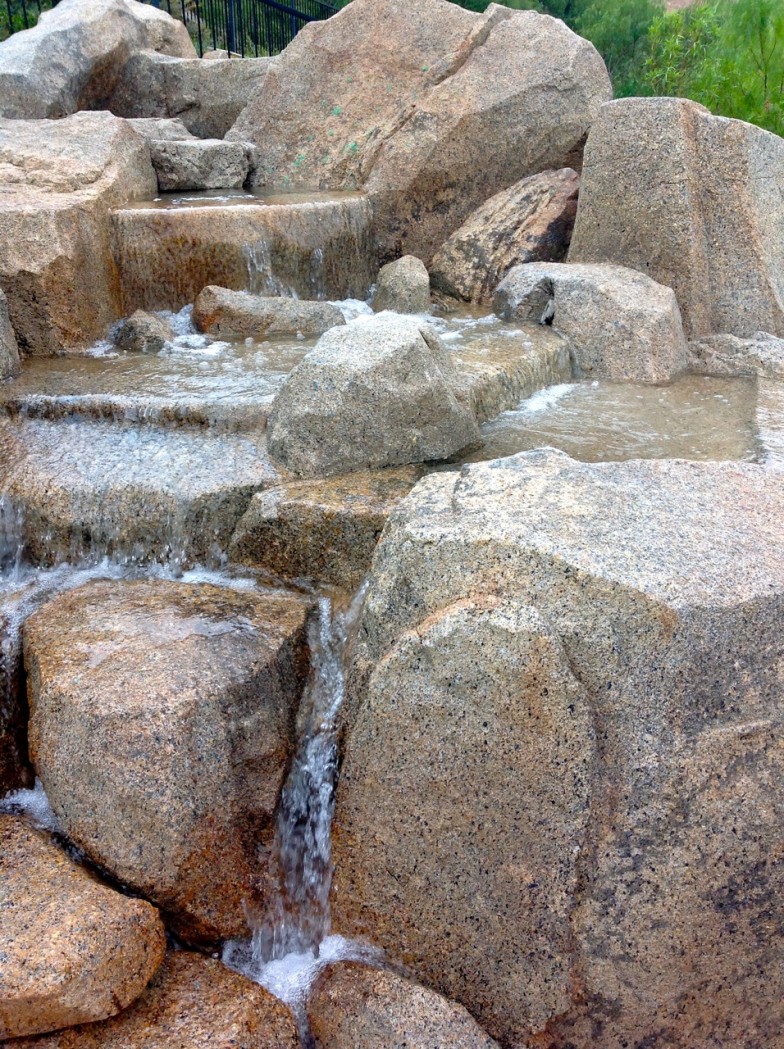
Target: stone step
[(88, 490), (167, 251)]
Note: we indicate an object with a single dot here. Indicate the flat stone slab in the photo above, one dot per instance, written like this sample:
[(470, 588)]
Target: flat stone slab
[(193, 164), (72, 950)]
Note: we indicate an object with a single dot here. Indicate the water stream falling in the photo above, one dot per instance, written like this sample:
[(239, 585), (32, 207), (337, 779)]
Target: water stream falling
[(291, 942)]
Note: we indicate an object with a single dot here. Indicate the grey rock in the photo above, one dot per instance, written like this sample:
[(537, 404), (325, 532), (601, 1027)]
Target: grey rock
[(352, 1005), (199, 164), (73, 950), (160, 129), (531, 221), (143, 333), (161, 725), (9, 350), (59, 181), (462, 810), (238, 314), (403, 286), (620, 324), (664, 583), (761, 355), (694, 202), (430, 108), (74, 56), (206, 96), (377, 392)]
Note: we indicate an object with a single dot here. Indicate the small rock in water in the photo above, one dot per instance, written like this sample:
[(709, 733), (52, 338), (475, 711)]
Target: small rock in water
[(192, 1003), (71, 949), (354, 1005), (403, 286), (143, 333), (237, 314)]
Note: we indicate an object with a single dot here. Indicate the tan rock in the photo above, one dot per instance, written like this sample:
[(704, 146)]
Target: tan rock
[(378, 392), (197, 164), (161, 725), (531, 221), (403, 286), (72, 949), (664, 583), (473, 751), (161, 129), (73, 57), (143, 333), (353, 1005), (690, 200), (206, 96), (620, 325), (58, 181), (325, 530), (726, 355), (431, 108), (193, 1003), (238, 314)]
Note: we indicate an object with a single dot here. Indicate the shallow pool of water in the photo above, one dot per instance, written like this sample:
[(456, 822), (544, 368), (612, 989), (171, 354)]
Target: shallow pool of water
[(693, 418), (207, 198)]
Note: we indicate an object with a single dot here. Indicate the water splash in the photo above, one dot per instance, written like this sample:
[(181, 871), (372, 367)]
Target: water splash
[(11, 537), (261, 275), (34, 805)]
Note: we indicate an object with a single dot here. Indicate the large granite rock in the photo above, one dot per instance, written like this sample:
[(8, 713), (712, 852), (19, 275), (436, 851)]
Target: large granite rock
[(663, 582), (531, 221), (193, 1003), (377, 392), (692, 200), (161, 725), (73, 58), (324, 530), (403, 286), (239, 315), (72, 949), (206, 96), (9, 350), (58, 181), (462, 810), (354, 1005), (762, 355), (195, 164), (620, 324), (429, 107)]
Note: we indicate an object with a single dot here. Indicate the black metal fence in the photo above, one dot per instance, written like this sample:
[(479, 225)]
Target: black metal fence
[(241, 27)]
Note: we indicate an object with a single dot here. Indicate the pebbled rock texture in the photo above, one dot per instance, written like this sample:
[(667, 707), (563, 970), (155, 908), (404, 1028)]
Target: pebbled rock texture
[(161, 725), (72, 950)]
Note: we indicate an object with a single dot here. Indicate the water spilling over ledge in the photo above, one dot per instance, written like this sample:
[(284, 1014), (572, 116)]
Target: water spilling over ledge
[(310, 248)]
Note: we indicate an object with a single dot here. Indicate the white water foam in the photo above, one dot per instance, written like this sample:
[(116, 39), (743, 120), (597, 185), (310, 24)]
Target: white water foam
[(34, 804)]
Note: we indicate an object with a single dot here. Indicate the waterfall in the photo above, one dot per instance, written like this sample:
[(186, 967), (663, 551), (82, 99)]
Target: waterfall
[(261, 276), (291, 942)]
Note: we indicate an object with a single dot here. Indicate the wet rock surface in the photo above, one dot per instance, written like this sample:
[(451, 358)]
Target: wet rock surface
[(142, 333), (666, 601), (353, 1004), (403, 286), (376, 393), (73, 58), (311, 248), (237, 314), (161, 725), (432, 109), (531, 221), (185, 164), (206, 96), (58, 180), (620, 325), (686, 198), (325, 530), (134, 493), (9, 350), (72, 949), (192, 1003)]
